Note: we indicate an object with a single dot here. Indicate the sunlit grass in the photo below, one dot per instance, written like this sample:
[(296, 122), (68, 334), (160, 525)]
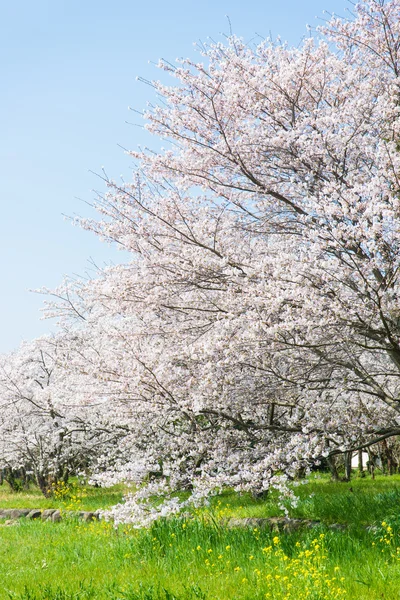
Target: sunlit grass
[(359, 502), (189, 559), (90, 498), (201, 558)]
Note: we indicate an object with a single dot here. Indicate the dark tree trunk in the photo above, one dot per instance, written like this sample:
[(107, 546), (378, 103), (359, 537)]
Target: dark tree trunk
[(347, 466), (43, 485), (371, 464), (332, 468), (360, 464)]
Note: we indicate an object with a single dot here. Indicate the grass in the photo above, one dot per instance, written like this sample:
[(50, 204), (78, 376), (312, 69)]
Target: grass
[(185, 560), (86, 497), (360, 502), (357, 503), (199, 558)]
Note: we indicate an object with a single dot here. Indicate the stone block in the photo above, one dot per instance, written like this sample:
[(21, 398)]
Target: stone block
[(47, 514), (35, 513)]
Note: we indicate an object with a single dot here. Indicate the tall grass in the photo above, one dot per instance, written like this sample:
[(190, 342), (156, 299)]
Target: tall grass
[(201, 558), (356, 503), (190, 559)]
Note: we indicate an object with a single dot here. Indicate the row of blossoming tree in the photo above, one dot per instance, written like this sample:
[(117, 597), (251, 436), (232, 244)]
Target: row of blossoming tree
[(256, 328)]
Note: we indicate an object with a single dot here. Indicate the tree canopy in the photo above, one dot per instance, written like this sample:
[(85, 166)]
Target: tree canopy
[(256, 328)]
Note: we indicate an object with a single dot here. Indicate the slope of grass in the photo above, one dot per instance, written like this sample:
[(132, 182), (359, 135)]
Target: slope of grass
[(185, 560), (81, 497), (200, 558), (357, 503)]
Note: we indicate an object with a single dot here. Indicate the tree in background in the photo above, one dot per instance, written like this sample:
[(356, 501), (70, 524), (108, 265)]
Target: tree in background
[(49, 426)]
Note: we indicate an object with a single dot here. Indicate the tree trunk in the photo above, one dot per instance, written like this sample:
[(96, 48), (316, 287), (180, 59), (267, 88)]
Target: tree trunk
[(332, 468), (347, 466), (371, 464), (43, 485), (360, 464)]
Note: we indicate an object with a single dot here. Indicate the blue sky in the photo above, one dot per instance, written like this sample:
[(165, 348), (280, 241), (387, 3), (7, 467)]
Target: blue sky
[(68, 74)]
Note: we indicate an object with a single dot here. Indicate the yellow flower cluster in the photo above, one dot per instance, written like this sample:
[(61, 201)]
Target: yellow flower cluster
[(98, 528), (70, 494), (221, 512), (387, 541), (302, 576), (60, 490), (299, 577)]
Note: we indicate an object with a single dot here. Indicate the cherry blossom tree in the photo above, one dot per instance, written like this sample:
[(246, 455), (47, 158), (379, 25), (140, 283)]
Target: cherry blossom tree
[(49, 428), (256, 328)]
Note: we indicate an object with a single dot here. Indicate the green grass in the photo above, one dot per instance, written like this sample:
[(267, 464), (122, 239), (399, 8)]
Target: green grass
[(200, 558), (88, 498), (358, 503), (183, 560)]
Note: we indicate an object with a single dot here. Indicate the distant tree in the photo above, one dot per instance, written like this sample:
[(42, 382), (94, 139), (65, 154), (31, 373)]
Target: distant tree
[(47, 432)]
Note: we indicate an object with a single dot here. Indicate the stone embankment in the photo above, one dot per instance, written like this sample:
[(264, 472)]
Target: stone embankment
[(281, 524), (11, 515)]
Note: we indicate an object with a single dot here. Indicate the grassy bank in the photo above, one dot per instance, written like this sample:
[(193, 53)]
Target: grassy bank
[(184, 560), (76, 495), (200, 559), (356, 503), (359, 502)]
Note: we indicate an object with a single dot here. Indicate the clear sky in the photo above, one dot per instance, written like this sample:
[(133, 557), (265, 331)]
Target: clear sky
[(68, 74)]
